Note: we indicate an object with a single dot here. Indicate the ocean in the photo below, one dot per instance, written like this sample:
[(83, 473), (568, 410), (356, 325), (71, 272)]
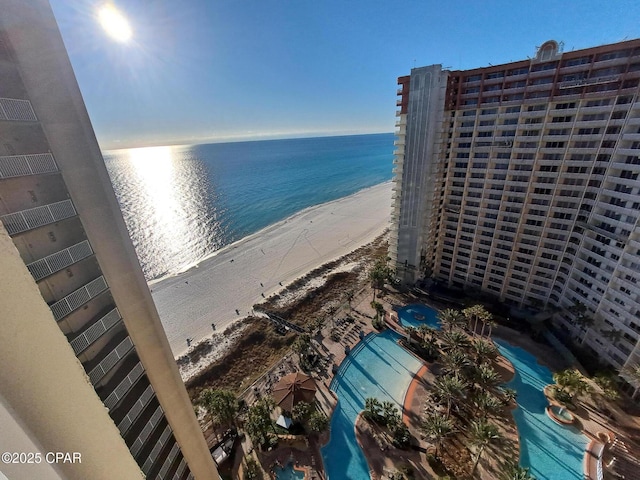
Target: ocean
[(183, 203)]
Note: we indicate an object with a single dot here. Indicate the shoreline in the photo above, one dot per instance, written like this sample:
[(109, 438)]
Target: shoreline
[(223, 287), (189, 267)]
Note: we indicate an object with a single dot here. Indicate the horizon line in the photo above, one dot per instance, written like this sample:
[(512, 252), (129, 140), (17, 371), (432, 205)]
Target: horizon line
[(238, 139)]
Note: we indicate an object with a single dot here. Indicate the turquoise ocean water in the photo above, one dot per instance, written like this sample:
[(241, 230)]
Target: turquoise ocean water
[(183, 203)]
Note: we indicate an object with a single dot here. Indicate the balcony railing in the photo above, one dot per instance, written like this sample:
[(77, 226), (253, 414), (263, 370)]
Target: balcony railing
[(589, 81), (37, 217), (22, 165), (146, 431), (60, 260), (135, 411), (169, 460), (107, 363), (162, 441), (124, 386), (95, 331), (15, 109), (76, 299), (180, 470)]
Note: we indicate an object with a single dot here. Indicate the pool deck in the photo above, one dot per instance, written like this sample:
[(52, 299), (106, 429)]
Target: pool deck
[(591, 417), (411, 400)]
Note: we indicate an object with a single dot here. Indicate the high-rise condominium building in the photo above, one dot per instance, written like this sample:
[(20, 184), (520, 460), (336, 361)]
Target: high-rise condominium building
[(521, 181), (86, 367)]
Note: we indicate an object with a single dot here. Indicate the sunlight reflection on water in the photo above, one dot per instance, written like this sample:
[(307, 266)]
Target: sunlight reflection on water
[(164, 196)]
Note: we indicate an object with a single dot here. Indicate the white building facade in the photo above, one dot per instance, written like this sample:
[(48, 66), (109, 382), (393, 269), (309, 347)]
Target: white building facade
[(524, 183)]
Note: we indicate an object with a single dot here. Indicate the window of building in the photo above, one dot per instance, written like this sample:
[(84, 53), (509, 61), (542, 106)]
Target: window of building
[(576, 61), (562, 119), (565, 106)]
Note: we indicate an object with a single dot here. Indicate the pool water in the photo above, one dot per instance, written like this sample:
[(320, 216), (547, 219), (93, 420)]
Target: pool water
[(288, 473), (416, 315), (550, 450), (377, 367)]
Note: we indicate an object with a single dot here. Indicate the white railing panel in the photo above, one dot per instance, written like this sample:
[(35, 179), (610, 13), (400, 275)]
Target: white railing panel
[(22, 165), (25, 220), (15, 109), (60, 260), (95, 331)]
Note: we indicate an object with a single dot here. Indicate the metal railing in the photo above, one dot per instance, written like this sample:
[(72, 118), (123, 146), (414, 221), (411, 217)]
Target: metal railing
[(107, 363), (60, 260), (15, 109), (95, 331), (76, 299), (135, 411), (124, 386), (23, 165), (25, 220), (146, 431)]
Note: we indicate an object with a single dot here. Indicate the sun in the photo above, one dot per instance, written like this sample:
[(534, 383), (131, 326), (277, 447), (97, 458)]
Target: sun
[(114, 23)]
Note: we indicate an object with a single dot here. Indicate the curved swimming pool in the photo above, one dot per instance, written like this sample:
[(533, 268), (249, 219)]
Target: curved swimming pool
[(377, 367), (550, 450), (417, 314)]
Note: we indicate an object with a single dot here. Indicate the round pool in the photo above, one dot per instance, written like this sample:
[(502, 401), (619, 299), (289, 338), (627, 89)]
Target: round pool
[(560, 414), (288, 473), (416, 315)]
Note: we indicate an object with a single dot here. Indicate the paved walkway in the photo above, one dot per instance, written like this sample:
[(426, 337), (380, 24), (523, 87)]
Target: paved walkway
[(413, 399)]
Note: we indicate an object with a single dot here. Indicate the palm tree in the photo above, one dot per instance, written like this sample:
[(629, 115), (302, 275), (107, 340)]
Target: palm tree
[(389, 413), (222, 406), (484, 350), (454, 341), (317, 422), (409, 330), (372, 409), (378, 274), (491, 323), (450, 390), (301, 412), (302, 344), (571, 382), (608, 385), (513, 471), (474, 314), (508, 395), (437, 427), (259, 423), (632, 374), (482, 433), (486, 377), (487, 404), (451, 318), (455, 362), (427, 332)]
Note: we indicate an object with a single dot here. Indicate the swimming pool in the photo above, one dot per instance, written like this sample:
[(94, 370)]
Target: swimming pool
[(288, 473), (416, 315), (550, 450), (377, 367)]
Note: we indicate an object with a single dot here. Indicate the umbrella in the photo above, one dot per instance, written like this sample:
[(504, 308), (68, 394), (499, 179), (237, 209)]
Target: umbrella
[(293, 389), (284, 421)]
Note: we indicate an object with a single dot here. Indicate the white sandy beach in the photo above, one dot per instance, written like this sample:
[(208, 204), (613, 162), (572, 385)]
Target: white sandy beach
[(239, 274)]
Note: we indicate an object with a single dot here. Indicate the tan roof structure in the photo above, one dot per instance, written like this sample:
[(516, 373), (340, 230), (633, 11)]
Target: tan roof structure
[(293, 389)]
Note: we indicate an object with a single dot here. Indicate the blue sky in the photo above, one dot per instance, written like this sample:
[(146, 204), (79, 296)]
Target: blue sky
[(199, 70)]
